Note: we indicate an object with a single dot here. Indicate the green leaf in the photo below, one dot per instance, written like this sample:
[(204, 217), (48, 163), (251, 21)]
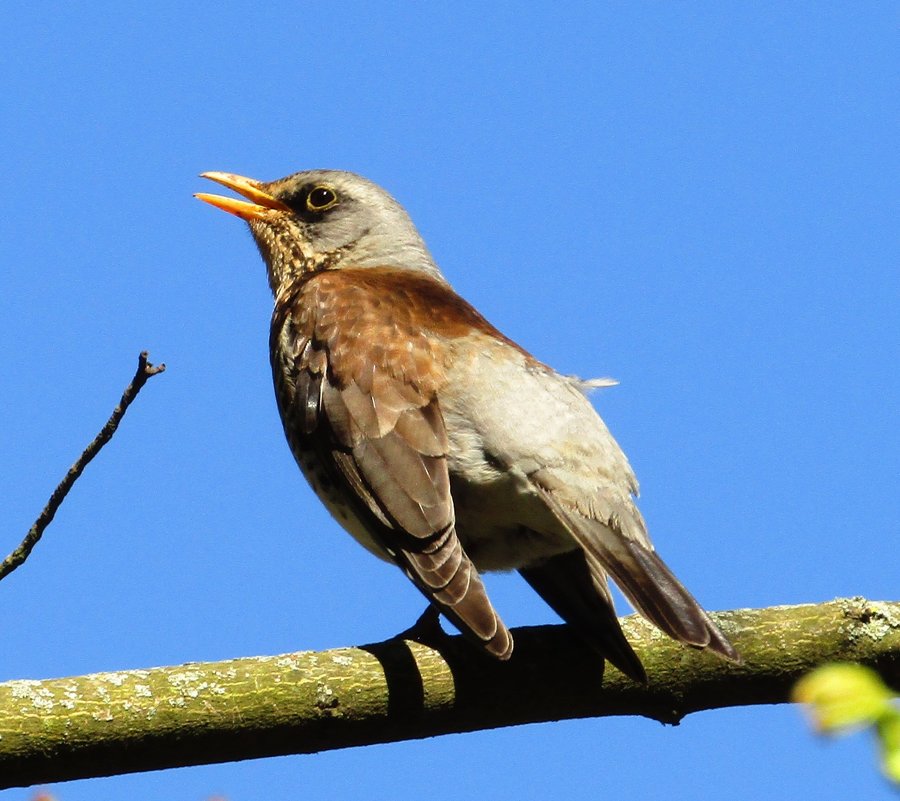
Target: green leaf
[(841, 695), (844, 696), (889, 734)]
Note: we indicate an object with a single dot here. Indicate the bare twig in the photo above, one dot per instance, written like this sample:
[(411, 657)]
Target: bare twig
[(144, 371)]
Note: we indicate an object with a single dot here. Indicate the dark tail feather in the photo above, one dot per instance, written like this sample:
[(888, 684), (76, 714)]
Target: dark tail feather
[(661, 598), (580, 597), (644, 578)]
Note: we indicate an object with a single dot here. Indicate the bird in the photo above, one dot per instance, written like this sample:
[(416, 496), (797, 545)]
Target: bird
[(436, 441)]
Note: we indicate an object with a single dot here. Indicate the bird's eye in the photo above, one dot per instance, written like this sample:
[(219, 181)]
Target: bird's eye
[(321, 198)]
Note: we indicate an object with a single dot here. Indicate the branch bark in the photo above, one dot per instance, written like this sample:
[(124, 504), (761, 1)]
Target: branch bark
[(136, 720)]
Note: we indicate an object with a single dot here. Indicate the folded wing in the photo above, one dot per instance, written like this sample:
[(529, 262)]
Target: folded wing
[(370, 412)]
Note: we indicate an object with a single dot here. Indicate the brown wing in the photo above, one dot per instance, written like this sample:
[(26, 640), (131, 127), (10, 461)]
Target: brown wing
[(362, 394)]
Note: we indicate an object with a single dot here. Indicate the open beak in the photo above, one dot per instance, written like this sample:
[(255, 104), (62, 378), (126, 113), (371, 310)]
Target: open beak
[(262, 203)]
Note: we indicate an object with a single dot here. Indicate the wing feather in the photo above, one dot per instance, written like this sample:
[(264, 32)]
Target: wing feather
[(370, 411)]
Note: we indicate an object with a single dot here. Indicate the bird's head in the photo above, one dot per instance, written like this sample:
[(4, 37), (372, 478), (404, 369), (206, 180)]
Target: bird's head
[(323, 220)]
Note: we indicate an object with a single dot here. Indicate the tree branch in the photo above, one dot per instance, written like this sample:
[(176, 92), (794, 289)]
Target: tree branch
[(144, 371), (112, 723)]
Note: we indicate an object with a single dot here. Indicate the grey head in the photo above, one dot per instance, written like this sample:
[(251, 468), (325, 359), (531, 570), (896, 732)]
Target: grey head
[(324, 219)]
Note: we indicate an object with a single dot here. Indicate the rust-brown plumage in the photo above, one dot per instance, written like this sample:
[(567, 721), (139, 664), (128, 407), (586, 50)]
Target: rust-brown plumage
[(358, 357)]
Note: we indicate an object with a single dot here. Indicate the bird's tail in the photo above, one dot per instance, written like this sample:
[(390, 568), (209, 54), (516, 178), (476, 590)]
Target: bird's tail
[(660, 597), (645, 580), (572, 589)]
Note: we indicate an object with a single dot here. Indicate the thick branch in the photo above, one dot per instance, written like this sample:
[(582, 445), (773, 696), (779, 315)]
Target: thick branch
[(135, 720), (144, 371)]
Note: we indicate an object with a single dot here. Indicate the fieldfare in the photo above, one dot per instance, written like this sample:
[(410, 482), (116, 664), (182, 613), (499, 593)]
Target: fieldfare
[(440, 444)]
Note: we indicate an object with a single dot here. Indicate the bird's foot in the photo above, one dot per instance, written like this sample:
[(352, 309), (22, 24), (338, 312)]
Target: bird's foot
[(427, 629)]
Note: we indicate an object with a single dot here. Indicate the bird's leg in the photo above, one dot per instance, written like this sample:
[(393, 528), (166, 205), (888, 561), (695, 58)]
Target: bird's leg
[(427, 629)]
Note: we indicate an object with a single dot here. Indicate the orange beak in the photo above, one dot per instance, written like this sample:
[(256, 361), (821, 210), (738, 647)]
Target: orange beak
[(262, 203)]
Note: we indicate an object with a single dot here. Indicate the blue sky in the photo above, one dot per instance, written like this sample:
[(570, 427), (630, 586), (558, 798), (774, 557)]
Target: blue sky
[(698, 199)]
